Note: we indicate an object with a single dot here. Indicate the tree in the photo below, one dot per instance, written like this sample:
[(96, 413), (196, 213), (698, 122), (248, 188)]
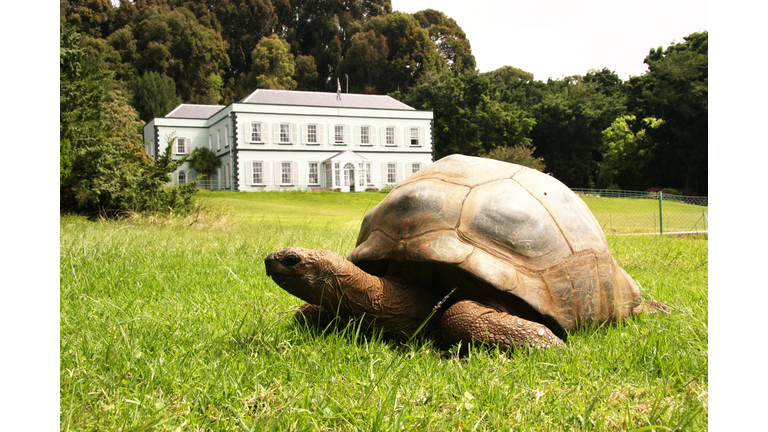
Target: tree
[(470, 117), (154, 95), (626, 153), (306, 73), (110, 171), (571, 116), (365, 61), (88, 17), (519, 154), (506, 75), (273, 64), (676, 89), (172, 42), (450, 39), (204, 161), (411, 53)]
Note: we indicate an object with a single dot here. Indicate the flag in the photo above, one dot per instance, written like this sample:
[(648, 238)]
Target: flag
[(338, 90)]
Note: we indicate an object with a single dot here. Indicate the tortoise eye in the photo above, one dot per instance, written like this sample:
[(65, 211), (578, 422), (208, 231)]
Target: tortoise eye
[(291, 260)]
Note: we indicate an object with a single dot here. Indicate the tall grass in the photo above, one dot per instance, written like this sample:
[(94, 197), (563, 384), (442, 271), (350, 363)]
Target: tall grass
[(172, 324)]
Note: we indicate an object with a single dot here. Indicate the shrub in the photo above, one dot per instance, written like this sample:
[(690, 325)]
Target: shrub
[(519, 154)]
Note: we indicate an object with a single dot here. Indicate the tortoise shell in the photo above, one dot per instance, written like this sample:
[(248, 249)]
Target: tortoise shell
[(500, 233)]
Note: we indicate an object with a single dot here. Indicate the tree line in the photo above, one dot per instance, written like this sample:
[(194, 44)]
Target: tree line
[(595, 130)]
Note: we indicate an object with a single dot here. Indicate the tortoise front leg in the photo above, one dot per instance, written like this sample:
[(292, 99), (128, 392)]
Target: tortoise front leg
[(469, 320)]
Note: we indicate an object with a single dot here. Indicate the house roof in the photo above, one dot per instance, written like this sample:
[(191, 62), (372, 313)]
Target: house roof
[(194, 111), (321, 99)]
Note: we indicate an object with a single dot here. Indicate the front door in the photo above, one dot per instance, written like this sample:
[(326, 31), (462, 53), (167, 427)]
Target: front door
[(348, 184)]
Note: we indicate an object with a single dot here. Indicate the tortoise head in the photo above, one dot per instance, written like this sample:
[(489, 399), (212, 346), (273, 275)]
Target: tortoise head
[(310, 274)]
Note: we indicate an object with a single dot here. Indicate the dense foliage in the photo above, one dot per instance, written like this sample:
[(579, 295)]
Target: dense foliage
[(154, 54), (104, 168)]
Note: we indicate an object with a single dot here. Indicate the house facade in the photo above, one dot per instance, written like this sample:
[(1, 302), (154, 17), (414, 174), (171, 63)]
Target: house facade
[(292, 140)]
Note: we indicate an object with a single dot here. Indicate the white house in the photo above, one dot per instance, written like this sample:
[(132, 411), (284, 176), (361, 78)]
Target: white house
[(294, 140)]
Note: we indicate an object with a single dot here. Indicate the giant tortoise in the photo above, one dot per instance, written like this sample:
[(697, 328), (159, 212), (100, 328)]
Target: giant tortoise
[(470, 249)]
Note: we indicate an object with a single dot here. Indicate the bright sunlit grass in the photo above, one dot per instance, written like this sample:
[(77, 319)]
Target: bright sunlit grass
[(172, 324)]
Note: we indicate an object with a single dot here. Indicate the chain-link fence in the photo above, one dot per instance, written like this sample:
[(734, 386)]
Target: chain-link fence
[(633, 212)]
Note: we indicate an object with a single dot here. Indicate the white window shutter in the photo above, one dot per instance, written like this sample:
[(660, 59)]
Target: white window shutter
[(398, 136), (399, 172), (358, 135), (187, 145), (294, 133), (320, 134), (265, 178), (265, 132), (384, 173), (276, 173), (248, 172), (347, 134), (372, 135), (408, 169), (422, 136), (276, 132), (304, 134), (248, 131), (295, 173)]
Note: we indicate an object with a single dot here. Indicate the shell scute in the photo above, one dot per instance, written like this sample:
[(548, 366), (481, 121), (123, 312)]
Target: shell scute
[(505, 220)]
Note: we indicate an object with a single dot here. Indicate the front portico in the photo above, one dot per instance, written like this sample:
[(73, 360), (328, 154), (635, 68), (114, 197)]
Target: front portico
[(347, 171)]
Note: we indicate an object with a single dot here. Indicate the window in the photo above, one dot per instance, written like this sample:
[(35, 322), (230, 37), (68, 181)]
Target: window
[(257, 176), (391, 173), (365, 135), (415, 167), (338, 136), (256, 132), (314, 173), (285, 173), (328, 178), (181, 146), (336, 173), (414, 136), (312, 134), (182, 177), (226, 136), (390, 135), (285, 133)]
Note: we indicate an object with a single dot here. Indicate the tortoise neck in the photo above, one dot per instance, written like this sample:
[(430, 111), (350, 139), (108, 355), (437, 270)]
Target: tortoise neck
[(394, 303), (350, 290)]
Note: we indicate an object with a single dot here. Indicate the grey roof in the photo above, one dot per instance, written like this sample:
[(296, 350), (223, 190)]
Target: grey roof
[(305, 98), (194, 111)]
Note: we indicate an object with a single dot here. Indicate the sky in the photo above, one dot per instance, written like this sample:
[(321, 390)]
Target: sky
[(557, 38)]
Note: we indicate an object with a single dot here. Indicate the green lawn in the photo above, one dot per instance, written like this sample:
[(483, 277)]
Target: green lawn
[(172, 324), (632, 215)]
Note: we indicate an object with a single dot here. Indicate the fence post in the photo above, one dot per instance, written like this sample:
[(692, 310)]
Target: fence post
[(661, 212)]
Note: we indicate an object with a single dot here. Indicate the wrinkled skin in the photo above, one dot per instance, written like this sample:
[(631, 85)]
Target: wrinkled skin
[(325, 279)]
